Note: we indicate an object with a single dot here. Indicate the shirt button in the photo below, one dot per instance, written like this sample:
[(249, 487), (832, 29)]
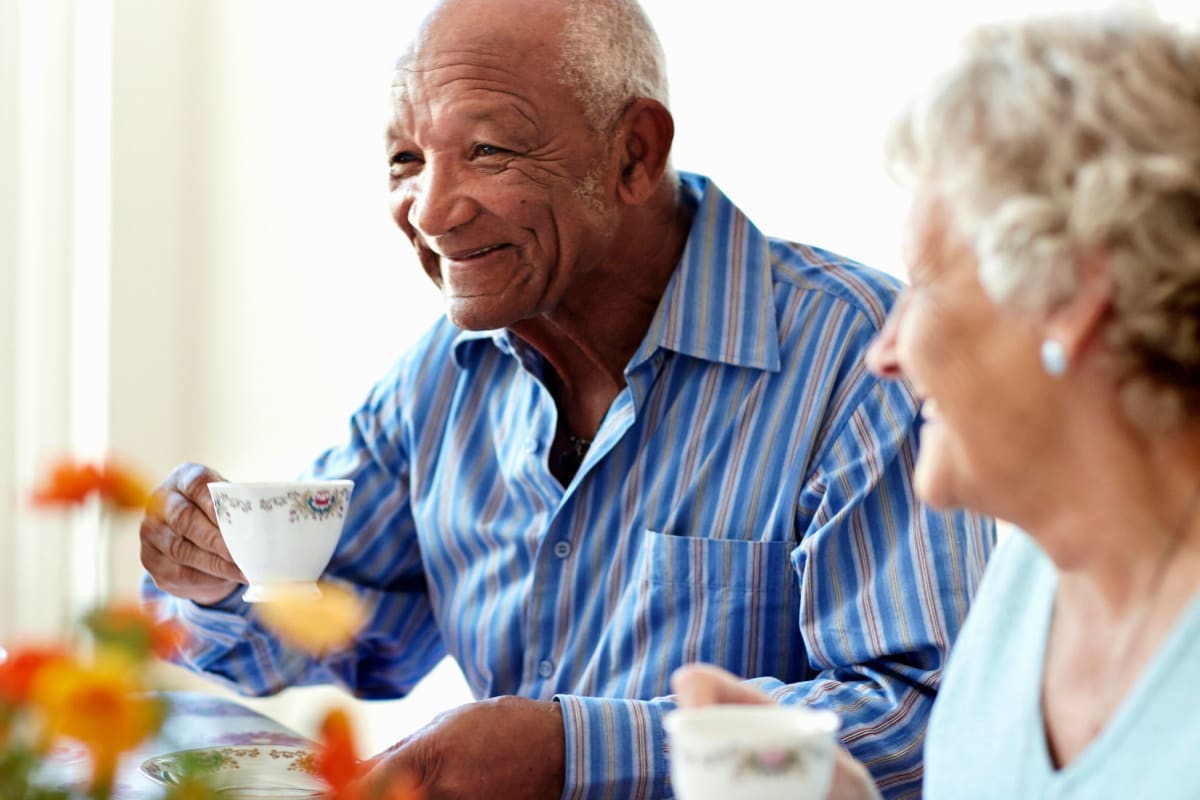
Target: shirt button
[(562, 549), (546, 668), (531, 445)]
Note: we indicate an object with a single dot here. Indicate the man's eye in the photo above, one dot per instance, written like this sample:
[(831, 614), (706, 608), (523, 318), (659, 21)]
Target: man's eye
[(400, 162), (486, 150)]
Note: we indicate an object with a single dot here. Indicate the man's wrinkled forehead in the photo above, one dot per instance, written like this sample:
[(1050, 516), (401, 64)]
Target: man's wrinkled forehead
[(525, 72)]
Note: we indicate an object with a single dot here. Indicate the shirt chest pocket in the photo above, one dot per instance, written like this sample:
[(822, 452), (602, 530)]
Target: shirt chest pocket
[(721, 601)]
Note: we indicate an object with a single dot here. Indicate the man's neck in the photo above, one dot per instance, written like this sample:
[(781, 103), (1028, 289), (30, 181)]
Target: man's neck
[(589, 339)]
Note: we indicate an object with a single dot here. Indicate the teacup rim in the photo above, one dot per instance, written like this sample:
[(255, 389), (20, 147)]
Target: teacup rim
[(817, 721), (334, 482)]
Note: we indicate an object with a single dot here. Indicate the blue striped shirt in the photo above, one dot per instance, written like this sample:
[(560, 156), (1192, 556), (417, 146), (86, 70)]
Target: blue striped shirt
[(747, 502)]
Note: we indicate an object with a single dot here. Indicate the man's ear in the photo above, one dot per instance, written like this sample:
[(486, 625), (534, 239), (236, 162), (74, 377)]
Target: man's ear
[(643, 148), (1076, 322)]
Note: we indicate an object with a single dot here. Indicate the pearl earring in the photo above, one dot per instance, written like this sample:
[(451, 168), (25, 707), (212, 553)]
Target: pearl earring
[(1054, 357)]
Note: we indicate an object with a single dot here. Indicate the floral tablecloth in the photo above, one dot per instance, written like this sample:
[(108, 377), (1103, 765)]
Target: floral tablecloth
[(195, 720)]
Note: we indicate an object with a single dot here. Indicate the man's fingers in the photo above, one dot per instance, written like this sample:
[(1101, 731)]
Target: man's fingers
[(196, 549), (178, 548), (192, 482), (389, 774), (191, 521), (184, 581), (697, 685), (182, 547)]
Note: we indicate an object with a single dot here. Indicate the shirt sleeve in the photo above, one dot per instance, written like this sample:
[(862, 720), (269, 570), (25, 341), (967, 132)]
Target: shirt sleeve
[(884, 587), (377, 556)]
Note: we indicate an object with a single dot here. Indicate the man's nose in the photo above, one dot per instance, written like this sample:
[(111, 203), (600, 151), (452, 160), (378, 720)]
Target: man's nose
[(441, 201), (882, 357)]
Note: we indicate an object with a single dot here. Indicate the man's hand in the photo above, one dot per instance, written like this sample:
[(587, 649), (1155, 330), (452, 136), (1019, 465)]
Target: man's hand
[(182, 548), (506, 747), (699, 685)]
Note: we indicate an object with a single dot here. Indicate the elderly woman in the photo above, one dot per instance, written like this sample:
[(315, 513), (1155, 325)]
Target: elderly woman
[(1053, 329)]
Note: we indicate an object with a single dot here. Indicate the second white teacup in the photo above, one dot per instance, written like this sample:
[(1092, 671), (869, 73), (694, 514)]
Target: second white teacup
[(281, 535), (767, 752)]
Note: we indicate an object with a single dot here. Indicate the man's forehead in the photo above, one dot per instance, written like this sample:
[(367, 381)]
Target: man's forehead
[(509, 28), (486, 78), (470, 101), (495, 52)]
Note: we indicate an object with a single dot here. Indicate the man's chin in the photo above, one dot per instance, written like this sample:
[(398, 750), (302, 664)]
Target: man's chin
[(478, 314)]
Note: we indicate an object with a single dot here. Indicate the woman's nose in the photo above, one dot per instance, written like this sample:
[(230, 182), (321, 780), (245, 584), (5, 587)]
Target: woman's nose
[(882, 357)]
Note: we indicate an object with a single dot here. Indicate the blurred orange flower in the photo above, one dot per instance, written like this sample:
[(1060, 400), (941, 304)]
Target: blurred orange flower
[(68, 482), (102, 706), (338, 765), (132, 628), (122, 487), (336, 760), (17, 674), (316, 625)]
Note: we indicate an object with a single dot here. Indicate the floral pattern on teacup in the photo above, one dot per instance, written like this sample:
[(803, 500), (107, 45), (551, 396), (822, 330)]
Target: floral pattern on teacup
[(224, 505), (313, 504), (773, 762), (319, 504)]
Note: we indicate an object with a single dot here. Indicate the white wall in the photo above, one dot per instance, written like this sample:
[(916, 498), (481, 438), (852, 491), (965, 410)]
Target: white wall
[(257, 287)]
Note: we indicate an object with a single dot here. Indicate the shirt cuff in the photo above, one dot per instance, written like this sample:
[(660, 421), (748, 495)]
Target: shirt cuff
[(615, 748), (212, 630)]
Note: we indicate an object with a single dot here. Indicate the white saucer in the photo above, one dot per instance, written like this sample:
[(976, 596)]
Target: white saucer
[(243, 771)]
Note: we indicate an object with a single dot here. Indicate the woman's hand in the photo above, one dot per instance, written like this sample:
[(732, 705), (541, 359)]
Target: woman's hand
[(699, 685)]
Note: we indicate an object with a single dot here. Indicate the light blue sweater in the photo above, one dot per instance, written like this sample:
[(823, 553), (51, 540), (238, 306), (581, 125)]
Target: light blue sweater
[(986, 738)]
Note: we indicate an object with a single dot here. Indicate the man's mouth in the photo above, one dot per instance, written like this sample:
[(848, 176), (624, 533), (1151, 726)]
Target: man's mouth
[(479, 252)]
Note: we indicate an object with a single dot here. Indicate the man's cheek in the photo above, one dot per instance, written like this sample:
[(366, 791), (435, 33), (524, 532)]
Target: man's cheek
[(430, 263)]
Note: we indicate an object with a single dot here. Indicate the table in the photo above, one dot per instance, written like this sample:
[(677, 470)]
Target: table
[(196, 719)]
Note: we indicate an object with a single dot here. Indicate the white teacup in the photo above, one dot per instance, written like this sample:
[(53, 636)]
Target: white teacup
[(767, 752), (281, 535)]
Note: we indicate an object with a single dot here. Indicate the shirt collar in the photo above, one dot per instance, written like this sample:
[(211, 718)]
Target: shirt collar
[(718, 305)]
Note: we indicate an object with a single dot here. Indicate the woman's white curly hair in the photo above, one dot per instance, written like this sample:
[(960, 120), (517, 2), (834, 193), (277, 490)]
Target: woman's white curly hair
[(1057, 138)]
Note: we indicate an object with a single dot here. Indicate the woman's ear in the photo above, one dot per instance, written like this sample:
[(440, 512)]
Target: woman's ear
[(644, 147), (1076, 322)]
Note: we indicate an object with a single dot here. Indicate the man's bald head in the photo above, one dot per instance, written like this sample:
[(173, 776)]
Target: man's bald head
[(607, 52)]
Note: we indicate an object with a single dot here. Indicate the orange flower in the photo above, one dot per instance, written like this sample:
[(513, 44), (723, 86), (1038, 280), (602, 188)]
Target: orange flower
[(18, 673), (336, 759), (316, 625), (66, 483), (102, 706), (132, 628), (69, 482), (337, 763), (121, 487)]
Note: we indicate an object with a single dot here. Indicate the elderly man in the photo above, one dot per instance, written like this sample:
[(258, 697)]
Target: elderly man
[(641, 436)]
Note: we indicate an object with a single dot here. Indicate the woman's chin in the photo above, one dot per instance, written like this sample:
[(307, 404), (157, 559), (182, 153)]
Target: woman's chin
[(934, 482)]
